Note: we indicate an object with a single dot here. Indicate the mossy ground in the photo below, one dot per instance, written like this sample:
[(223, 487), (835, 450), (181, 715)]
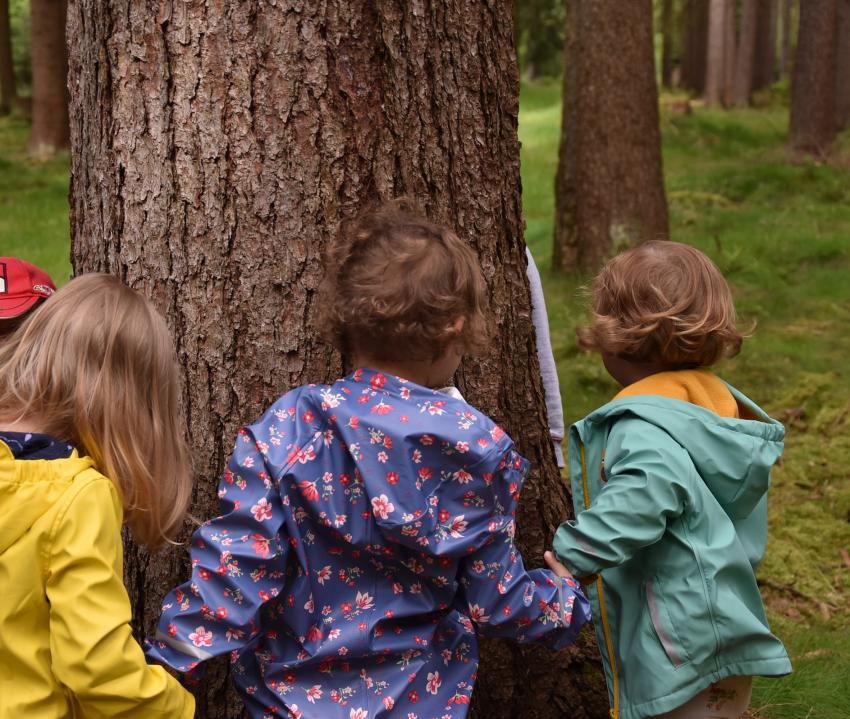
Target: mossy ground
[(780, 231)]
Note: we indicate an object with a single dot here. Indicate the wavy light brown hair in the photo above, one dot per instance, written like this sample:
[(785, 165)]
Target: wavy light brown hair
[(95, 366), (395, 285), (662, 302)]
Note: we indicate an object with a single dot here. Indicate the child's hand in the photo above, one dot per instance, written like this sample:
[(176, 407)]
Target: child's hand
[(556, 566)]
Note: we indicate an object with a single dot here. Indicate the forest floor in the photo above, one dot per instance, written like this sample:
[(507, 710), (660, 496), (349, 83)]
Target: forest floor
[(780, 231)]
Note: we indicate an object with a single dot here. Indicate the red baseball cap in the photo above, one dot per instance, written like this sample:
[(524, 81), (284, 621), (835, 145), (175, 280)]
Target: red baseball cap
[(21, 286)]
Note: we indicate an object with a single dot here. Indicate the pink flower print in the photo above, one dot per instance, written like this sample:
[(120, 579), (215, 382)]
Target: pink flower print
[(392, 477), (354, 422), (405, 392), (247, 462), (381, 408), (378, 381), (221, 612), (462, 476), (426, 439), (404, 419), (293, 712), (434, 682), (462, 447), (382, 457), (425, 474), (364, 601), (478, 614), (457, 527), (358, 714), (313, 693), (262, 510), (497, 433), (201, 637), (388, 442), (389, 702), (308, 489), (323, 574), (382, 507)]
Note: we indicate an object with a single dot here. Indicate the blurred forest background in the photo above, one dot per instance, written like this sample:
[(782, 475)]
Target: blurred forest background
[(720, 123)]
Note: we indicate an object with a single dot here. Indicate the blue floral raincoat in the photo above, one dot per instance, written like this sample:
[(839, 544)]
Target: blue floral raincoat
[(366, 536)]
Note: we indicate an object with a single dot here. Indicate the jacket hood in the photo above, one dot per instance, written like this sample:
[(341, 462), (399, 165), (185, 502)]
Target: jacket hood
[(29, 488), (733, 456)]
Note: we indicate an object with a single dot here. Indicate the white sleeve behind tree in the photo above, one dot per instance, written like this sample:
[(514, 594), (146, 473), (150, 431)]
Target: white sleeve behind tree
[(548, 370)]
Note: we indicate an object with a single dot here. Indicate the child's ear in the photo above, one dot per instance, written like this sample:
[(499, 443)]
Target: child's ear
[(456, 327)]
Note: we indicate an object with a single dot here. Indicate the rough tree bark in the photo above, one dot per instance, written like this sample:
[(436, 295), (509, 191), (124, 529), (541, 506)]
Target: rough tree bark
[(50, 131), (7, 69), (842, 73), (814, 124), (609, 190), (695, 45), (667, 43), (216, 149), (764, 67), (715, 75), (730, 50), (743, 80)]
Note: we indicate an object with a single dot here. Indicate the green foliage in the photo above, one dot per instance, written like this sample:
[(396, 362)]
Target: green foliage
[(19, 17), (779, 231), (33, 203), (539, 33)]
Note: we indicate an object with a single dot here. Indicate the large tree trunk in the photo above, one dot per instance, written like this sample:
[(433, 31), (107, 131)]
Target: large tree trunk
[(217, 148), (7, 69), (730, 49), (842, 74), (667, 43), (50, 130), (764, 67), (695, 45), (743, 80), (609, 187), (715, 76), (813, 108)]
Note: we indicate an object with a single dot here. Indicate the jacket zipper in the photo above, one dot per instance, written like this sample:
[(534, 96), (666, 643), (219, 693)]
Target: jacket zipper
[(606, 631)]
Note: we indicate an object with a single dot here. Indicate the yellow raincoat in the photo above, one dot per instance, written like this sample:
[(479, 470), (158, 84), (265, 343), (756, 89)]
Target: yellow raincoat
[(66, 649)]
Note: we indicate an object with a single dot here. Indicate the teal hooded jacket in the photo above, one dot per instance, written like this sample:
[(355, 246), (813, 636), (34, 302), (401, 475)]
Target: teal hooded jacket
[(671, 514)]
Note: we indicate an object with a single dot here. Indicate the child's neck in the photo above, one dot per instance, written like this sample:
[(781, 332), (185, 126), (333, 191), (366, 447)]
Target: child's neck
[(427, 374)]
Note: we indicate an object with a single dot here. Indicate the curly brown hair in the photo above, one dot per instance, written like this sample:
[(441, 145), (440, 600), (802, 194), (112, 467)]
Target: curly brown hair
[(662, 302), (396, 284)]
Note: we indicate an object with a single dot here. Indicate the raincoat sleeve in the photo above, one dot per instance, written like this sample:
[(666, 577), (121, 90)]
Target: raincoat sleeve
[(648, 476), (92, 649), (238, 562), (502, 597)]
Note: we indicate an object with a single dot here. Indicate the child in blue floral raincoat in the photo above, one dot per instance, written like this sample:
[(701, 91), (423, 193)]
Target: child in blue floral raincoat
[(367, 527)]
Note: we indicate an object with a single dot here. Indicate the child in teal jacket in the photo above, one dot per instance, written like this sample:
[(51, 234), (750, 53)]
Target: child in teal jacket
[(669, 485)]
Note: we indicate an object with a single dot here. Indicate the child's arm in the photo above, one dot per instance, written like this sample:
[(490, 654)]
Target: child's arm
[(500, 596), (238, 564), (92, 649), (648, 480)]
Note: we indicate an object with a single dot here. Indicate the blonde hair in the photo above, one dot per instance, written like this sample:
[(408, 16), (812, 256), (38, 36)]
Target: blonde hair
[(95, 366), (662, 302), (395, 283)]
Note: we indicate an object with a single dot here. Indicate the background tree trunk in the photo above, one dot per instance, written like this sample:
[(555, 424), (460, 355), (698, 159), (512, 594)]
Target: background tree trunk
[(609, 187), (7, 69), (764, 68), (730, 50), (743, 79), (217, 148), (813, 108), (667, 35), (787, 34), (695, 45), (50, 130), (842, 86), (715, 75)]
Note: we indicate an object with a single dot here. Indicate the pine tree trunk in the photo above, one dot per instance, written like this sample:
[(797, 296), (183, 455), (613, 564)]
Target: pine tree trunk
[(695, 45), (609, 187), (729, 54), (667, 43), (814, 122), (215, 150), (715, 76), (764, 67), (743, 80), (7, 69), (842, 85), (50, 131), (787, 33)]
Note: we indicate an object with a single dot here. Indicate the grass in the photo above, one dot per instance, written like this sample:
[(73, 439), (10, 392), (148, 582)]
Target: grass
[(780, 231), (33, 203)]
